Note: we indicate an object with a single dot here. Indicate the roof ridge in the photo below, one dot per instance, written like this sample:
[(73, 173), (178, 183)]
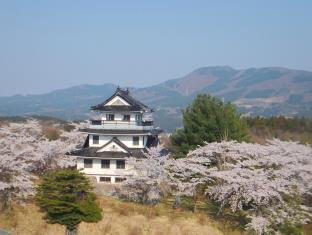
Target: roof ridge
[(125, 94)]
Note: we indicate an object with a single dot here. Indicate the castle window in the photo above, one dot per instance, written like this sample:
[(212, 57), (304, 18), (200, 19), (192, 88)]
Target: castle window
[(119, 179), (110, 117), (105, 179), (96, 122), (105, 164), (136, 140), (138, 117), (96, 139), (120, 164), (126, 117), (87, 163)]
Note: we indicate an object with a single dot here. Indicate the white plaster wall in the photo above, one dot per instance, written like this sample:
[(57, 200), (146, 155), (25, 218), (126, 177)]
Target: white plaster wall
[(127, 140), (119, 116), (112, 172), (96, 167), (103, 139)]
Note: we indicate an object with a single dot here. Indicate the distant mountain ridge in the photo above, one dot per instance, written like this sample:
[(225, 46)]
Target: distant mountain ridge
[(256, 91)]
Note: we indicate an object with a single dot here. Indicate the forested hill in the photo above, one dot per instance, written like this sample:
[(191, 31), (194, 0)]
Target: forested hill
[(256, 91)]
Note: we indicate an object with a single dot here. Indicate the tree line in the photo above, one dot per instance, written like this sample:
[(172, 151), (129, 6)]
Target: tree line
[(208, 119), (294, 124)]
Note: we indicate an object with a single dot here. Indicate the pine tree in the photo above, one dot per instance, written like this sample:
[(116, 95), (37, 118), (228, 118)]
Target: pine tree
[(208, 119), (66, 198)]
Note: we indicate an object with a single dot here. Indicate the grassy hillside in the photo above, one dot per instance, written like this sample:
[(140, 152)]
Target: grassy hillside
[(125, 218), (118, 218)]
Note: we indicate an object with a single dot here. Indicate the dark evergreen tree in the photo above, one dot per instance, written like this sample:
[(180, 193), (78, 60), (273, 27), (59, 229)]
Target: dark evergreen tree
[(66, 198), (208, 119)]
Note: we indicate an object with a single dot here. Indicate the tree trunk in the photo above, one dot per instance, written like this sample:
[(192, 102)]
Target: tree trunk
[(5, 200), (177, 202), (71, 232), (195, 207)]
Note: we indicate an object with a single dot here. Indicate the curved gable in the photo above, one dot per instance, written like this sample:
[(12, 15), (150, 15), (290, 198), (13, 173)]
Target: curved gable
[(118, 101), (114, 145)]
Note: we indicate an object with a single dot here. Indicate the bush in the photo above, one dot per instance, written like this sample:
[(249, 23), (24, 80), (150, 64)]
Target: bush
[(66, 198), (68, 127), (51, 133), (288, 228)]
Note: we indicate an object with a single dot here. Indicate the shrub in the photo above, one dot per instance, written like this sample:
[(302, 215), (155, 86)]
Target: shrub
[(51, 133), (289, 228), (66, 198), (68, 127)]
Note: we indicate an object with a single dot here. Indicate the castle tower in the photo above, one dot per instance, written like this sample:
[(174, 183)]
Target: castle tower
[(119, 127)]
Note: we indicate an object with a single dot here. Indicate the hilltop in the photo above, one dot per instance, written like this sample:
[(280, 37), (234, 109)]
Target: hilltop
[(31, 147)]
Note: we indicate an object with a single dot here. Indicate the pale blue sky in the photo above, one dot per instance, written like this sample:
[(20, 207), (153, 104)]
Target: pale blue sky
[(45, 45)]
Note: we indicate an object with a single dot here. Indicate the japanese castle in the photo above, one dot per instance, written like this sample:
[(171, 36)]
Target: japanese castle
[(119, 127)]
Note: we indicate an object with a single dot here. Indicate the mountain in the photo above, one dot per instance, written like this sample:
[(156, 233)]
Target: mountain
[(70, 103), (255, 91)]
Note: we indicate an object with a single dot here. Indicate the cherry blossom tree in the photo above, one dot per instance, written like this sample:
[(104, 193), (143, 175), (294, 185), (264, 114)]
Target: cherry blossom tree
[(25, 153), (147, 181), (263, 180), (268, 182)]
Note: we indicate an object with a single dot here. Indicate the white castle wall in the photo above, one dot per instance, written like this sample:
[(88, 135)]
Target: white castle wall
[(118, 116), (127, 140), (112, 172)]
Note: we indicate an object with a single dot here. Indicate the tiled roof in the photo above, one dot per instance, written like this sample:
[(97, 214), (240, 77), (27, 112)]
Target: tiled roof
[(135, 105), (91, 152)]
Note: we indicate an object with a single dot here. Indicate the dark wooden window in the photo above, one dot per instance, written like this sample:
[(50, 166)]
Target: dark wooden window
[(120, 164), (136, 140), (87, 163), (119, 179), (96, 139), (105, 164), (126, 117), (138, 118), (105, 179), (96, 122), (110, 117)]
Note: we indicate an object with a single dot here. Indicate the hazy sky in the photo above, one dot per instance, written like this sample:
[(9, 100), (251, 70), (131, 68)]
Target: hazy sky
[(45, 45)]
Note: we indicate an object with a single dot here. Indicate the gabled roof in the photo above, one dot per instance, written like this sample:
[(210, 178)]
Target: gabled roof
[(117, 142), (132, 104), (93, 152)]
